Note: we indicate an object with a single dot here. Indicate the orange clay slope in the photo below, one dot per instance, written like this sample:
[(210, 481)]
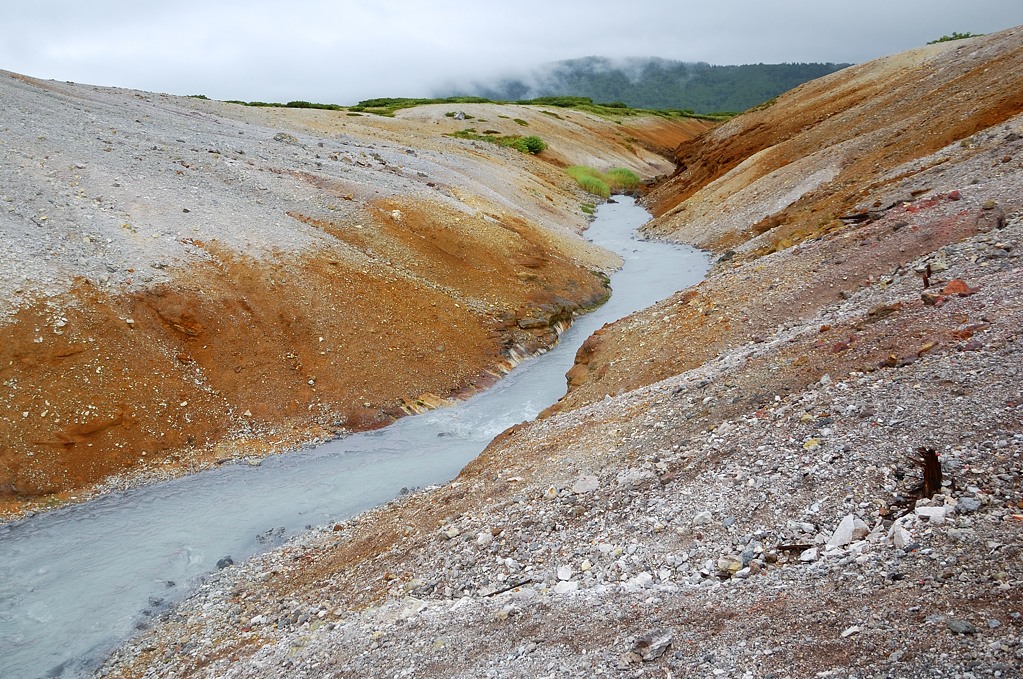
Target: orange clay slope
[(807, 200)]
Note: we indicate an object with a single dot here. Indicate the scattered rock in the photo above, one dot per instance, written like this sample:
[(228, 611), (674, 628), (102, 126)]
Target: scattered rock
[(961, 627), (729, 565), (286, 138), (652, 645)]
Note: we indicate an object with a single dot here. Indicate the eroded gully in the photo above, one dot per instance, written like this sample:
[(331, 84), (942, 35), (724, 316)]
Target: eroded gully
[(76, 581)]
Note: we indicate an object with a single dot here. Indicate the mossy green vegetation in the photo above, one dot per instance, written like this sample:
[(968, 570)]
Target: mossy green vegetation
[(531, 144)]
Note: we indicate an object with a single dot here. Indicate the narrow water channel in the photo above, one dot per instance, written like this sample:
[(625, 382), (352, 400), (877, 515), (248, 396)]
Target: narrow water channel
[(76, 581)]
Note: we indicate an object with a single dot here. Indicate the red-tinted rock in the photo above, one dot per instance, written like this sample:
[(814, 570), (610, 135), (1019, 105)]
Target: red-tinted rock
[(957, 286)]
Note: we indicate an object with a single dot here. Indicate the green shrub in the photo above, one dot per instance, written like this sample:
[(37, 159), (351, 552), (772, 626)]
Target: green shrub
[(955, 36), (534, 144)]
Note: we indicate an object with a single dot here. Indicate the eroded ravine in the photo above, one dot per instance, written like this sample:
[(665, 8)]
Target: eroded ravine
[(77, 580)]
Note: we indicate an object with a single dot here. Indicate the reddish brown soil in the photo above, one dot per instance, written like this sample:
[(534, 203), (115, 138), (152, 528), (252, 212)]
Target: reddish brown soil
[(241, 356)]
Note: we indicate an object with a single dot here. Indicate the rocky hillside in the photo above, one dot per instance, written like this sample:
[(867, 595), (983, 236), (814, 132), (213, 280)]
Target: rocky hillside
[(809, 465), (185, 281)]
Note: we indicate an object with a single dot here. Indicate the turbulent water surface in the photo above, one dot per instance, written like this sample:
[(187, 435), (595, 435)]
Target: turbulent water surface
[(75, 581)]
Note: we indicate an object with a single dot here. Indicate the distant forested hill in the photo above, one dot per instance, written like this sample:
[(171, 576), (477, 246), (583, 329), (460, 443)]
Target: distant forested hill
[(652, 83)]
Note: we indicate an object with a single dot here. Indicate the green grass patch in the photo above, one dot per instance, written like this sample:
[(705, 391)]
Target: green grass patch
[(578, 172), (520, 121), (594, 185), (531, 144), (622, 179), (588, 208), (603, 184)]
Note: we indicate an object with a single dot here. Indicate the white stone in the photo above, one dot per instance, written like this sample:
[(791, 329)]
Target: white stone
[(899, 536), (703, 518), (566, 586), (809, 555), (484, 538), (564, 573), (843, 535), (849, 631), (934, 515)]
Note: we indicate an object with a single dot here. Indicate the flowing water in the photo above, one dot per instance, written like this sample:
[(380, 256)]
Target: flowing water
[(75, 581)]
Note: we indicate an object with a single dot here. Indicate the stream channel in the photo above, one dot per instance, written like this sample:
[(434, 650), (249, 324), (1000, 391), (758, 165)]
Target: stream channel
[(76, 581)]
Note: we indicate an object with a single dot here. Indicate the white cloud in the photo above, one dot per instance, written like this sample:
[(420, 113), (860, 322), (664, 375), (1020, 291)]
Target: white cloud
[(345, 51)]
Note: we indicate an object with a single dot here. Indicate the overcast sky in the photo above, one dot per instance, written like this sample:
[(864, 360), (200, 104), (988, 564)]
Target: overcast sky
[(344, 51)]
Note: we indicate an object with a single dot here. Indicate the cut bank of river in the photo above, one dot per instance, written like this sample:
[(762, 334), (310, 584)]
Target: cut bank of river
[(75, 581)]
